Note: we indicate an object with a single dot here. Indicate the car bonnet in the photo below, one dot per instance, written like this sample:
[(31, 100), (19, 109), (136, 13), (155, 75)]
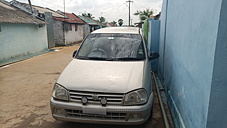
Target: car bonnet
[(102, 76)]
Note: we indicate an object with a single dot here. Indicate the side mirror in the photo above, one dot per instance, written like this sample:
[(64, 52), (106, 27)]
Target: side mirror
[(74, 53), (153, 55)]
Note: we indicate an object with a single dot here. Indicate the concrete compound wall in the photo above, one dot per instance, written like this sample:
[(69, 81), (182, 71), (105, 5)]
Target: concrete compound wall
[(192, 60), (59, 37), (20, 40), (50, 29)]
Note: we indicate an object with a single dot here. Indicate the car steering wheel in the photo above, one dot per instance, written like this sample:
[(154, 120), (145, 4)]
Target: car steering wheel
[(99, 50)]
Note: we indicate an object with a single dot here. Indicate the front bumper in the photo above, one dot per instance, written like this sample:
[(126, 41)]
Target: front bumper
[(73, 112)]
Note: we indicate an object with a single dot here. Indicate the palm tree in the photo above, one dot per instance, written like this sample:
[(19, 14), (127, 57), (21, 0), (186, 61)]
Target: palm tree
[(114, 23), (102, 19), (144, 14), (88, 15), (120, 22)]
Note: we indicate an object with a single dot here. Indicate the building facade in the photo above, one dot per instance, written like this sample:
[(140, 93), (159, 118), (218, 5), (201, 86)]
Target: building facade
[(21, 35)]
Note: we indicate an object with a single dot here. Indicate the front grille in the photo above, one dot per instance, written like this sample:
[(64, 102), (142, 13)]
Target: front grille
[(108, 116), (112, 98)]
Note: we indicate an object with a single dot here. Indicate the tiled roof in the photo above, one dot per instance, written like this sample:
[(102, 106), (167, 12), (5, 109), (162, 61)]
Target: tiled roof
[(10, 14), (97, 22), (110, 24), (40, 9), (66, 20), (88, 21), (91, 21), (74, 17)]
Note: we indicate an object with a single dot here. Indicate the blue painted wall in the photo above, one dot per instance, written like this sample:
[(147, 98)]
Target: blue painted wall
[(162, 40), (20, 40), (217, 117), (190, 59)]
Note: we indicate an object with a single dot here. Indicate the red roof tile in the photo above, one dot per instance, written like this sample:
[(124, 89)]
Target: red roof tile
[(65, 20), (74, 17), (111, 24)]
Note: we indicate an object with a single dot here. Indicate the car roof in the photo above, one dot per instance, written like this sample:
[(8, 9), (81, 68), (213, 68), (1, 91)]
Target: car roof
[(128, 30)]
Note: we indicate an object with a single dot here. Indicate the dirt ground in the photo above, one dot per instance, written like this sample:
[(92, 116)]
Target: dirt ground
[(25, 91)]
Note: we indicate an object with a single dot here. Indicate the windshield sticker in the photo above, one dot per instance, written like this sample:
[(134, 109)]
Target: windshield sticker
[(111, 38)]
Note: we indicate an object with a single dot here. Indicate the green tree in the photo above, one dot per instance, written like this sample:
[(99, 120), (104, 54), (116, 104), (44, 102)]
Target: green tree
[(102, 19), (114, 23), (88, 15), (120, 22), (144, 14)]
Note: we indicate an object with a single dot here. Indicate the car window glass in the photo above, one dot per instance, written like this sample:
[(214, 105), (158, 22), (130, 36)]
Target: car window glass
[(113, 46), (87, 46)]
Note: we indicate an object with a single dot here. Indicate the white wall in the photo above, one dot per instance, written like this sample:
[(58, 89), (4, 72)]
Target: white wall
[(73, 35), (19, 40), (86, 30)]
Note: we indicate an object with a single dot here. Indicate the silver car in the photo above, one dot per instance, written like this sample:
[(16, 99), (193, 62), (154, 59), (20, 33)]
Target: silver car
[(108, 81)]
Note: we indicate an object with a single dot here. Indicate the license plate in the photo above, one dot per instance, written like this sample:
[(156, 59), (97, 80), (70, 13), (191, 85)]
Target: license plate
[(94, 110)]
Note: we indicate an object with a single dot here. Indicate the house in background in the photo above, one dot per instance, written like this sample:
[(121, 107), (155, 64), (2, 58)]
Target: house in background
[(61, 29), (42, 13), (84, 27), (101, 25), (70, 29), (92, 24), (21, 34)]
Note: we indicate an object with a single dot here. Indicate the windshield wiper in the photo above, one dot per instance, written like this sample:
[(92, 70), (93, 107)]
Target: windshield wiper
[(82, 57), (91, 58), (129, 58), (110, 59), (96, 58)]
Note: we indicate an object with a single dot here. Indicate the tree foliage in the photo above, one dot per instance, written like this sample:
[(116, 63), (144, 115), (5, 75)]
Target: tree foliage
[(88, 15), (144, 14), (102, 19), (120, 22), (114, 23)]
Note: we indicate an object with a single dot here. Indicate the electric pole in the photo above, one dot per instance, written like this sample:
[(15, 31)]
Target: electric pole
[(129, 1)]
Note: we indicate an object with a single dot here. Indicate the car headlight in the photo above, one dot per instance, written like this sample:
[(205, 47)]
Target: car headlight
[(60, 92), (136, 97)]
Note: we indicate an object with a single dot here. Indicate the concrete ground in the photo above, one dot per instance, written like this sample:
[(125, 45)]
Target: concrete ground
[(25, 91)]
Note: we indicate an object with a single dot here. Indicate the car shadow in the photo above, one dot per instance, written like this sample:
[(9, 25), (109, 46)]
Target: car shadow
[(82, 125)]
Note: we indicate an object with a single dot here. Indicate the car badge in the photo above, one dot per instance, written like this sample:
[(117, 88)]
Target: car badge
[(95, 97)]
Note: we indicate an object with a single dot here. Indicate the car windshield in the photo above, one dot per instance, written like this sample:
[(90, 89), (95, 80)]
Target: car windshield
[(105, 46)]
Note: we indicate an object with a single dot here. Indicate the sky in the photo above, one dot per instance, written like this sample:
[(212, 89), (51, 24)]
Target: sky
[(112, 10)]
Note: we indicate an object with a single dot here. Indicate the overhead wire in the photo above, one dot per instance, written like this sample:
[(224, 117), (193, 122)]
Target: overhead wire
[(117, 9), (104, 13), (143, 7), (140, 5), (120, 14), (134, 10), (112, 10)]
